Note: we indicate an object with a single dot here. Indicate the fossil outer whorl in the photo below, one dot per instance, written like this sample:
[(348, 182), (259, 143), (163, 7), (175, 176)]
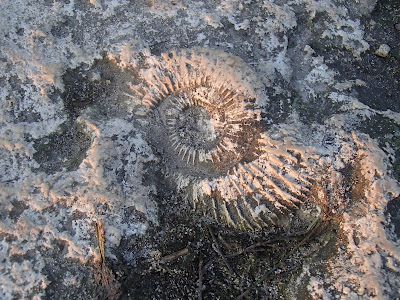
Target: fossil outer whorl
[(203, 116), (259, 193)]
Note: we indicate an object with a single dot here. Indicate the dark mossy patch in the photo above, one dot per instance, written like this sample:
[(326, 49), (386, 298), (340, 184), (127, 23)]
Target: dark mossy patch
[(378, 127), (280, 103), (101, 84), (381, 73), (80, 90), (395, 142), (392, 213), (387, 132), (65, 148), (317, 109), (18, 208)]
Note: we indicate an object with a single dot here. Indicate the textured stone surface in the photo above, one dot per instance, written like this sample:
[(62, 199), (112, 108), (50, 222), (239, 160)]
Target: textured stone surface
[(167, 121)]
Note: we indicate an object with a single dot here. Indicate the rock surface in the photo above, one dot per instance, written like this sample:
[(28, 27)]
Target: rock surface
[(383, 50), (189, 149)]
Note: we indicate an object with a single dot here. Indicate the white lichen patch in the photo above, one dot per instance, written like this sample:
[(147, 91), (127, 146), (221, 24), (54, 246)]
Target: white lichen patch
[(60, 209), (341, 26)]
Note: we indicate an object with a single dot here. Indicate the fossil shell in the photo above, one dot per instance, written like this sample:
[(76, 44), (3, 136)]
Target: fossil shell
[(204, 117)]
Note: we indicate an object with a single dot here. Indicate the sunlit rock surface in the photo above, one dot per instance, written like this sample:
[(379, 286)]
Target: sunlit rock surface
[(257, 118)]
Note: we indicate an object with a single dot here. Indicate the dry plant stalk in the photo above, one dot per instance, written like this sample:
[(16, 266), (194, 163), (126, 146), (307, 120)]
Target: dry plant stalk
[(174, 256), (110, 287), (100, 240)]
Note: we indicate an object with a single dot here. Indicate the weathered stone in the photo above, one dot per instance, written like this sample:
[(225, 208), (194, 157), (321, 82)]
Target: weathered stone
[(383, 50)]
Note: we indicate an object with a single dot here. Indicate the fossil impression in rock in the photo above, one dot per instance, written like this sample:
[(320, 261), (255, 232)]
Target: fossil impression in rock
[(203, 116)]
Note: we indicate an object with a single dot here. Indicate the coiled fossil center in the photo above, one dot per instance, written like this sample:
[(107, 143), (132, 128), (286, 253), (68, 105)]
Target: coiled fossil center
[(204, 130), (195, 128)]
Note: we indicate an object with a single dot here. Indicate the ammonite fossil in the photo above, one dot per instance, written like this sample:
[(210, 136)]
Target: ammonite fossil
[(203, 109)]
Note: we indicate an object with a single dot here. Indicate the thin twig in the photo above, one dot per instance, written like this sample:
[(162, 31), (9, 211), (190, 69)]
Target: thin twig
[(174, 256), (100, 240), (269, 243), (253, 247), (312, 229), (225, 243), (219, 252), (202, 271)]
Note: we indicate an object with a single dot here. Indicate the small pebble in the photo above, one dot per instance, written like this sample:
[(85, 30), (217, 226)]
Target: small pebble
[(397, 26), (383, 50), (310, 51)]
